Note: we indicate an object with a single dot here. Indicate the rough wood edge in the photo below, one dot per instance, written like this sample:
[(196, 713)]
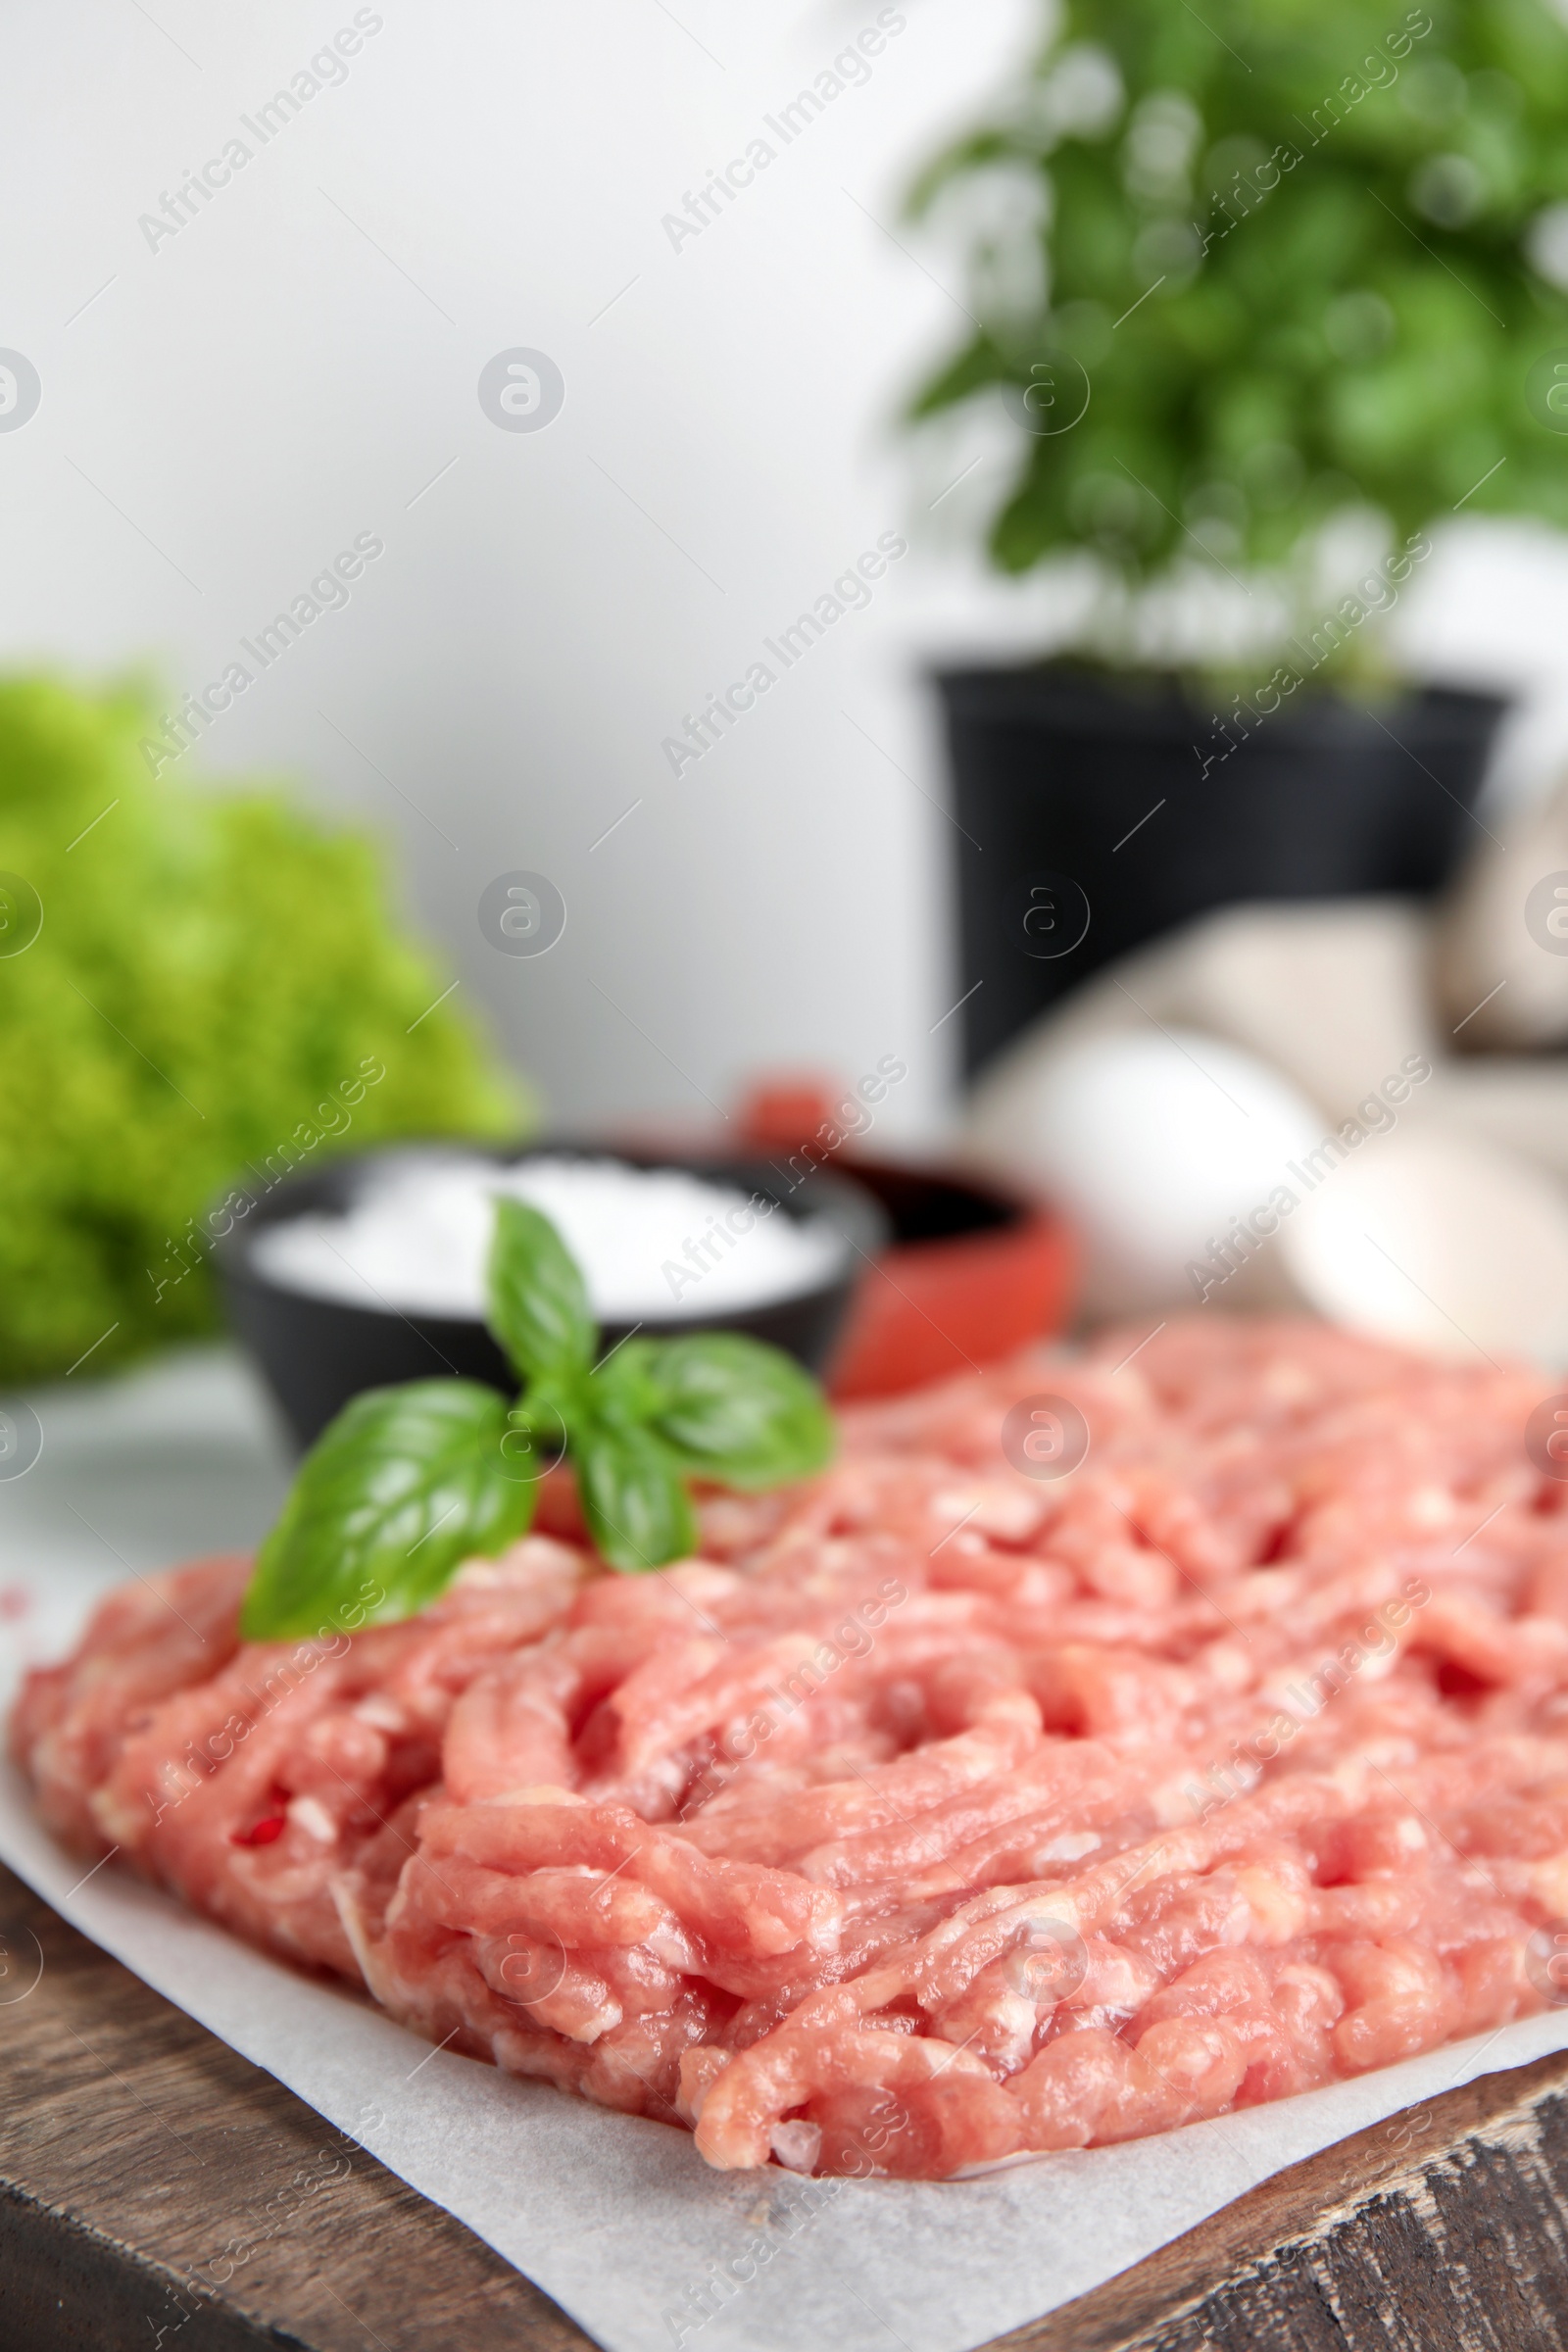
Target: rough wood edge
[(111, 2088), (68, 2284), (1304, 2221)]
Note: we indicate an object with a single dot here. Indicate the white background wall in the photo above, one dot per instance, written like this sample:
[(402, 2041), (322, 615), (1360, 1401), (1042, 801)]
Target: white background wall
[(222, 414)]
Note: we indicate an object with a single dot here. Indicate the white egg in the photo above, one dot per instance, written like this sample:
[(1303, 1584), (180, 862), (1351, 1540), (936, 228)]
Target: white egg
[(1154, 1143)]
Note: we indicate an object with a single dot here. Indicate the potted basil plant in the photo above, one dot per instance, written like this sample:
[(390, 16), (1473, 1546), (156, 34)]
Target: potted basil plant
[(1270, 291)]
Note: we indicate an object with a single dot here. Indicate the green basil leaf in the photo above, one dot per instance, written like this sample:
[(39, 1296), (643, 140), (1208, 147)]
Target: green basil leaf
[(401, 1487), (538, 1300), (553, 1405), (625, 1388), (738, 1411), (633, 1498)]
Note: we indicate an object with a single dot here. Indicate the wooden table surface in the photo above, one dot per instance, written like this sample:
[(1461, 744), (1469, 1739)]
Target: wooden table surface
[(140, 2159)]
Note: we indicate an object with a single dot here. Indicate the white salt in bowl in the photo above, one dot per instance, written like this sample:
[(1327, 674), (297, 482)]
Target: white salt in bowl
[(371, 1269)]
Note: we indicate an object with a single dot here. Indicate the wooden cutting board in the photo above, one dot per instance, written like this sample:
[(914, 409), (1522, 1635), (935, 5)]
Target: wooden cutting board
[(156, 2190)]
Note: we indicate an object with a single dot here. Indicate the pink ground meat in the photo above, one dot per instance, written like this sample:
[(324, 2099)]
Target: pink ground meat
[(935, 1812)]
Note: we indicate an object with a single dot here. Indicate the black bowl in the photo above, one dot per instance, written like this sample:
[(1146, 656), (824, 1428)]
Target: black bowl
[(316, 1353)]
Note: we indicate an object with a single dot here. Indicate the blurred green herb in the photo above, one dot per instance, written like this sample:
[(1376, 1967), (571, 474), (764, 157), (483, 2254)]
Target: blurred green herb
[(1299, 255), (219, 993), (407, 1483)]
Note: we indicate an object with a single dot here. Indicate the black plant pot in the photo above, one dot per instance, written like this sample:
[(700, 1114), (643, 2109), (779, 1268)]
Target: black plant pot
[(1097, 812)]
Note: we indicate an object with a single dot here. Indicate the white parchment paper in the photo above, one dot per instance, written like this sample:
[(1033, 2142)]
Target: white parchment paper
[(618, 2220)]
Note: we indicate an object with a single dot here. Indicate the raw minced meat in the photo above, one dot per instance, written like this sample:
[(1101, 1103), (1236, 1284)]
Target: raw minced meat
[(936, 1812)]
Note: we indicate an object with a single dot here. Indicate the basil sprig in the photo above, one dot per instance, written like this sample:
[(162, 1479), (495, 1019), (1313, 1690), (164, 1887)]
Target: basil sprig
[(407, 1483)]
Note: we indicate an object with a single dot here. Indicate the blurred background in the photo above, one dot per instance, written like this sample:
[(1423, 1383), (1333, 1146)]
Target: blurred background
[(455, 405), (298, 364)]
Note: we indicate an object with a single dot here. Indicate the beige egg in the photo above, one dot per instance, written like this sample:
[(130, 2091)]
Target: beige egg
[(1439, 1242)]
